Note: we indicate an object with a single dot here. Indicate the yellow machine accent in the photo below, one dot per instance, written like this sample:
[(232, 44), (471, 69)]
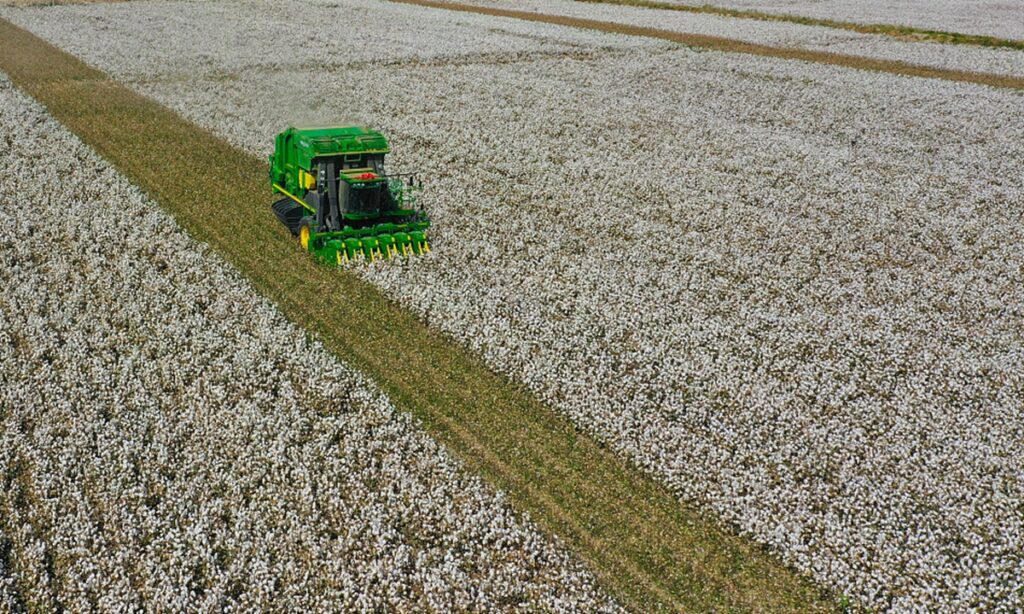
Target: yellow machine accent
[(304, 237), (294, 197), (306, 180)]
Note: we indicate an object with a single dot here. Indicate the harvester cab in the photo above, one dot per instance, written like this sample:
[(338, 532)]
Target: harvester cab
[(338, 198)]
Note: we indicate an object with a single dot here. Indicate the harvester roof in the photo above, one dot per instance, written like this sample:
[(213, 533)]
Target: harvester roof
[(340, 140)]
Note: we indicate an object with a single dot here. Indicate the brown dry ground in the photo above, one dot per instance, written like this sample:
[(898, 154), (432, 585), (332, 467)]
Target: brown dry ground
[(718, 43), (893, 30), (645, 547)]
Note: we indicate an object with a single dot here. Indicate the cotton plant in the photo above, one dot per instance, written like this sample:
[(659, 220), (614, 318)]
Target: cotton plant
[(779, 303), (980, 17), (223, 45), (166, 446), (791, 292), (786, 34)]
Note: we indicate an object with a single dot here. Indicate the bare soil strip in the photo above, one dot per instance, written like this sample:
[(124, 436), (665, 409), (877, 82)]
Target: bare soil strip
[(650, 551), (895, 31), (718, 43)]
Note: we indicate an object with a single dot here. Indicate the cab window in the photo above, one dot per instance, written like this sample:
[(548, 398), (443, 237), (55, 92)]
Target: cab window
[(353, 161)]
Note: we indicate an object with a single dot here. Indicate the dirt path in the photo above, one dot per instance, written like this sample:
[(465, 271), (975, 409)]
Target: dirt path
[(893, 30), (718, 43)]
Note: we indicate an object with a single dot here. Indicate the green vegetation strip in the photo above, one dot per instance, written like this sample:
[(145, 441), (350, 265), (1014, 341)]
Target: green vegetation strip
[(902, 32), (646, 548), (719, 43)]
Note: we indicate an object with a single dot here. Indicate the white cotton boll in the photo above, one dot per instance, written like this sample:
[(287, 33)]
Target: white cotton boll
[(172, 451), (797, 308)]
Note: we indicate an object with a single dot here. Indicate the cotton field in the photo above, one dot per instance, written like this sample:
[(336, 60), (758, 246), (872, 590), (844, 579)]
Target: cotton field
[(787, 34), (162, 441), (792, 292), (255, 42), (984, 17)]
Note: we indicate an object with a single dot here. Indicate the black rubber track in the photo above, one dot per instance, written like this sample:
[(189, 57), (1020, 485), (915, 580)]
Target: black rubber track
[(290, 213)]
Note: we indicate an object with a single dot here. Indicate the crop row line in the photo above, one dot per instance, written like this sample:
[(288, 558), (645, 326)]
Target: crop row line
[(720, 43), (646, 548), (886, 29)]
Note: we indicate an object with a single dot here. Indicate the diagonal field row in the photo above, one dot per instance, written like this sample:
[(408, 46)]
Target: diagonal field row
[(640, 542), (778, 286), (971, 22), (474, 35), (783, 34), (190, 450), (729, 44)]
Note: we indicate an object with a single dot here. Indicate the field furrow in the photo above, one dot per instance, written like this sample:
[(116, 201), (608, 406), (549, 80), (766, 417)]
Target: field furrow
[(651, 552), (783, 34), (167, 439), (471, 36), (995, 18), (789, 291)]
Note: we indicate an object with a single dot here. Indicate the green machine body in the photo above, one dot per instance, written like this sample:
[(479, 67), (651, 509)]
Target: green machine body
[(337, 198)]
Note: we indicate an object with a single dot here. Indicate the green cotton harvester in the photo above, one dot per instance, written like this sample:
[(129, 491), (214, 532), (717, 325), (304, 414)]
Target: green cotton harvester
[(339, 200)]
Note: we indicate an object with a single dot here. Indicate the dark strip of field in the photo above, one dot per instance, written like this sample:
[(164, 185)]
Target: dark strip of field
[(893, 30), (718, 43), (646, 548)]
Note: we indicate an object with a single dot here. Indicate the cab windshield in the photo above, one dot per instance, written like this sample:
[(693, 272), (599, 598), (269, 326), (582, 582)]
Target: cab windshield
[(370, 198), (373, 162)]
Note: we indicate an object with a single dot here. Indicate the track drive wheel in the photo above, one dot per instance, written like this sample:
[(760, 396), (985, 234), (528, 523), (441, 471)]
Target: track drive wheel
[(305, 232)]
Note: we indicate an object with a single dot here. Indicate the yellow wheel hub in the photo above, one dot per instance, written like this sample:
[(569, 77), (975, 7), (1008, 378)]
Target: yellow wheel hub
[(304, 237)]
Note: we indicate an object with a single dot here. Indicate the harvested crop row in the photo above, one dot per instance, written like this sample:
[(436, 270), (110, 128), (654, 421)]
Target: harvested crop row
[(168, 439), (981, 17), (780, 287), (220, 45), (784, 34), (470, 37), (654, 553)]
